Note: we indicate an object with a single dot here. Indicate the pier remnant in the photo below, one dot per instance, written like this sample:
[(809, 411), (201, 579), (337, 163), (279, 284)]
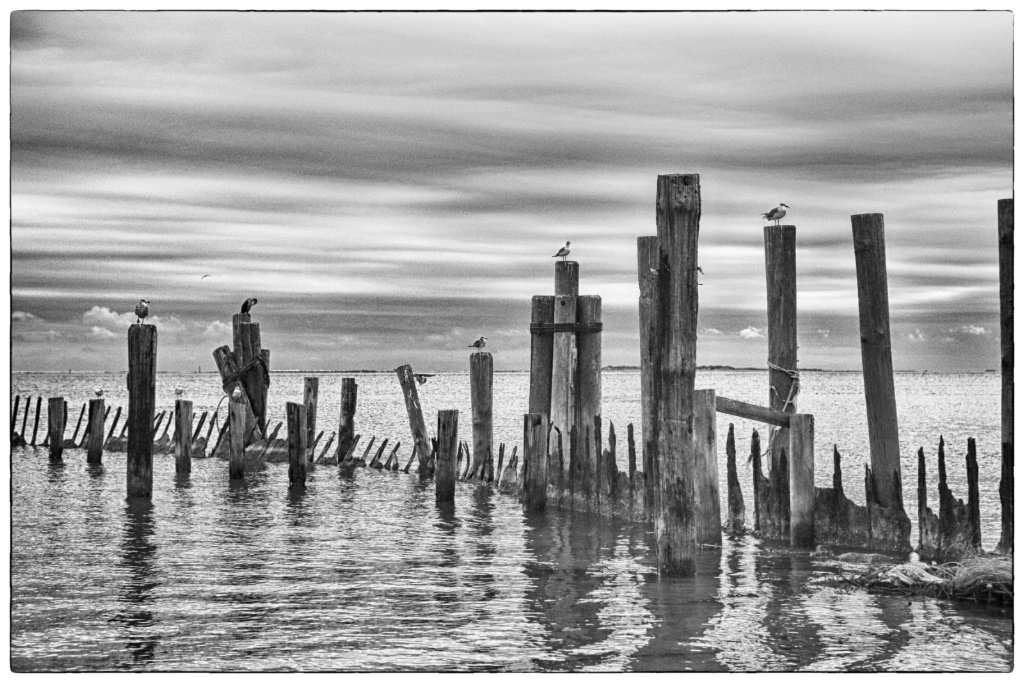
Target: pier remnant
[(447, 447), (297, 430), (535, 454), (237, 416), (310, 395), (142, 340), (347, 418), (737, 511), (563, 365), (647, 272), (801, 481), (542, 312), (1005, 211), (183, 436), (481, 388), (783, 378), (56, 415), (588, 382), (420, 439), (78, 425), (94, 444), (708, 520), (35, 428), (113, 427)]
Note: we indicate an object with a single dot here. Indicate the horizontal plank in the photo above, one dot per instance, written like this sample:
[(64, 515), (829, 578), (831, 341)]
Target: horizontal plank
[(750, 411)]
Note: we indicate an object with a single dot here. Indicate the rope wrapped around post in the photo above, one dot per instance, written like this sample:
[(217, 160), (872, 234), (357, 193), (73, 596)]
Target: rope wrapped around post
[(237, 376), (794, 389), (551, 328)]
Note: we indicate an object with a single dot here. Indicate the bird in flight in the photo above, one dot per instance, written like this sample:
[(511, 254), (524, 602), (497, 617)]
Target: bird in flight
[(205, 276), (422, 379), (141, 310), (563, 252), (98, 391), (479, 343), (247, 304), (776, 214)]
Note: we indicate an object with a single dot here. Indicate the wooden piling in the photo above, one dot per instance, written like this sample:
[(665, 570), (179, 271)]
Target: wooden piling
[(973, 500), (142, 344), (297, 431), (113, 426), (588, 380), (35, 428), (347, 416), (542, 312), (708, 521), (678, 218), (648, 260), (447, 445), (24, 420), (14, 412), (563, 366), (199, 427), (535, 452), (78, 425), (737, 511), (876, 354), (237, 416), (755, 459), (310, 395), (780, 272), (421, 441), (1005, 210), (55, 410), (481, 388), (567, 278), (801, 481), (183, 440), (94, 445)]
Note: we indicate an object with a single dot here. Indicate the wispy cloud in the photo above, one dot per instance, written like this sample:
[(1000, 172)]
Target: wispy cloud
[(751, 333)]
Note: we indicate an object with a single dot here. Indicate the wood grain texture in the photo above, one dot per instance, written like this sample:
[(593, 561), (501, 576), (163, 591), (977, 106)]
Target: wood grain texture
[(310, 398), (55, 418), (183, 438), (481, 393), (237, 415), (542, 310), (347, 416), (535, 452), (801, 481), (420, 439), (447, 447), (563, 366), (296, 413), (588, 384), (142, 346), (780, 273), (1005, 210), (708, 509), (97, 431), (647, 261)]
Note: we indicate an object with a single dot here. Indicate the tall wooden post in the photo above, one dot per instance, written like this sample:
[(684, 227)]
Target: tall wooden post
[(183, 436), (347, 419), (542, 312), (1006, 338), (876, 356), (237, 419), (647, 273), (708, 522), (588, 380), (141, 406), (35, 428), (678, 217), (310, 395), (447, 447), (14, 413), (94, 447), (563, 368), (56, 418), (535, 456), (296, 413), (421, 442), (481, 387), (801, 480), (24, 420), (248, 345), (780, 273)]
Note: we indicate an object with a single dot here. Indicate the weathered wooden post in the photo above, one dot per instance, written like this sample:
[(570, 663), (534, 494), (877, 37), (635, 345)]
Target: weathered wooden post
[(14, 412), (783, 379), (237, 417), (588, 384), (142, 341), (737, 511), (678, 217), (535, 455), (81, 414), (183, 436), (347, 419), (24, 420), (94, 447), (55, 410), (801, 480), (563, 366), (113, 426), (647, 251), (1005, 207), (481, 387), (447, 445), (310, 395), (708, 522), (542, 313), (876, 355), (421, 442), (35, 428), (296, 444)]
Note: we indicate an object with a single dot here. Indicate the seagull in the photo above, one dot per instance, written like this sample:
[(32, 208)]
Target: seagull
[(250, 302), (141, 310), (205, 276), (237, 393), (776, 214), (479, 343), (563, 252), (179, 390), (422, 379), (98, 391)]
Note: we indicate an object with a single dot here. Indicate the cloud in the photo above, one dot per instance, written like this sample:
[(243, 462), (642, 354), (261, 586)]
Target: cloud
[(751, 333), (823, 333), (916, 336), (711, 330), (103, 317), (217, 330), (102, 332), (20, 316), (976, 330)]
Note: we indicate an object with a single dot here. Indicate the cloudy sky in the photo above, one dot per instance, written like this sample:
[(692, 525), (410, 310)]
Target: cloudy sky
[(391, 186)]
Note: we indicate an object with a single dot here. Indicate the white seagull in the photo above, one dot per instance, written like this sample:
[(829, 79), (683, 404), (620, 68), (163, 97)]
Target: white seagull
[(98, 391), (563, 252), (141, 310), (179, 390), (776, 214), (479, 343)]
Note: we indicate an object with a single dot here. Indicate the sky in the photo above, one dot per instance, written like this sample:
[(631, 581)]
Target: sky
[(392, 186)]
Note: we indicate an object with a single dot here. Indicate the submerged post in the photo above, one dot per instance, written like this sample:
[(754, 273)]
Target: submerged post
[(876, 356), (347, 419), (421, 442), (94, 447), (310, 395), (647, 273), (737, 511), (678, 217), (563, 368), (542, 312), (141, 406), (447, 447), (783, 380), (297, 431), (237, 419), (1006, 344), (535, 456), (481, 387), (183, 436), (708, 522), (801, 481), (55, 411)]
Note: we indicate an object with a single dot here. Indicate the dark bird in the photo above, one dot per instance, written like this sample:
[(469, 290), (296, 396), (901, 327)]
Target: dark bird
[(205, 276), (249, 303), (141, 310), (479, 343), (776, 214), (422, 379), (563, 252)]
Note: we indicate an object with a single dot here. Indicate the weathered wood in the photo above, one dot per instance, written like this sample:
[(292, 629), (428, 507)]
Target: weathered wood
[(237, 414), (412, 456), (588, 385), (35, 428), (755, 459), (648, 259), (595, 468), (631, 444), (113, 426), (563, 366), (55, 417), (142, 344), (750, 411), (973, 501), (609, 480), (678, 218), (876, 353), (927, 521), (542, 311), (393, 457), (1005, 210), (270, 440), (737, 511), (228, 366), (501, 461), (801, 481), (421, 441), (375, 461), (327, 447), (567, 278), (362, 460), (347, 415), (24, 420), (14, 412), (780, 273), (297, 431), (199, 427), (310, 396), (222, 431), (708, 508), (183, 439), (78, 425), (535, 451), (481, 389), (94, 444), (447, 445)]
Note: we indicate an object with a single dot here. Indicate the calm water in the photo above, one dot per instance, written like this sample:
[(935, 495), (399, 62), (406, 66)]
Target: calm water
[(363, 572)]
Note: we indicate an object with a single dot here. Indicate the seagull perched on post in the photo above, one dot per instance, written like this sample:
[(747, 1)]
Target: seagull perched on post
[(776, 214), (98, 391), (479, 343), (141, 310), (563, 252), (179, 390), (251, 301)]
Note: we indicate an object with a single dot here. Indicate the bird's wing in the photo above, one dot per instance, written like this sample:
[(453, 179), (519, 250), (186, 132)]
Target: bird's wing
[(771, 214)]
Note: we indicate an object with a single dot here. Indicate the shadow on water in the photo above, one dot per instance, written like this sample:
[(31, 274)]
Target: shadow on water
[(136, 596), (94, 470)]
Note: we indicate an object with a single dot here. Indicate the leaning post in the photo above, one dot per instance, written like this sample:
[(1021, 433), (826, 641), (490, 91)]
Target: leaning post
[(535, 456), (56, 417), (94, 446), (1005, 207), (183, 436), (447, 447), (481, 388), (783, 380), (421, 442), (801, 480)]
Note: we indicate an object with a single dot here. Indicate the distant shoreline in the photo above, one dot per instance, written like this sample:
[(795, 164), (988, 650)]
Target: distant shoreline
[(607, 368)]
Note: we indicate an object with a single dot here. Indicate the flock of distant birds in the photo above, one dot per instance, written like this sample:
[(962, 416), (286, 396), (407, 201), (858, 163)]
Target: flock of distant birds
[(142, 308)]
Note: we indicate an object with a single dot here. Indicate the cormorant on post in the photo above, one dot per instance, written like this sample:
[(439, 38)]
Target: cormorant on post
[(141, 310), (479, 343), (563, 252), (776, 214), (249, 303)]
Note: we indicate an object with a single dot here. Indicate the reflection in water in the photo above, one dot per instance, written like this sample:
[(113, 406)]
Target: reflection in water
[(137, 555)]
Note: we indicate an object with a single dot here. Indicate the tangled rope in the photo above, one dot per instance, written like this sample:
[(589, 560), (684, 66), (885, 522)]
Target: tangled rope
[(236, 376), (794, 389)]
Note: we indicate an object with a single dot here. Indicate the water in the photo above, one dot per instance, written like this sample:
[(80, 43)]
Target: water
[(364, 573)]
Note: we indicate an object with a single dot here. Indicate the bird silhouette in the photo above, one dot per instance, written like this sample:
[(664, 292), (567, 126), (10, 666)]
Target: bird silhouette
[(205, 276), (479, 343), (98, 391), (248, 303), (563, 252), (141, 310), (179, 390), (422, 379), (776, 214)]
